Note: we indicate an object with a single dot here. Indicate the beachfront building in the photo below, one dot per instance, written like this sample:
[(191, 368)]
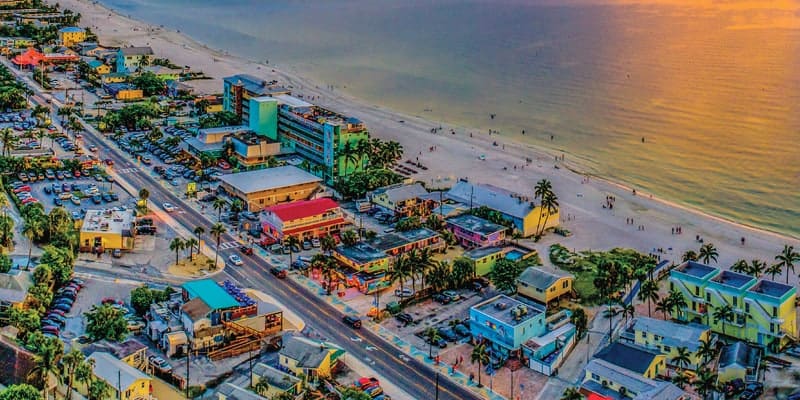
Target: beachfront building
[(739, 360), (483, 259), (131, 59), (252, 150), (522, 211), (396, 243), (131, 352), (362, 257), (238, 90), (304, 219), (70, 35), (164, 73), (107, 230), (667, 337), (14, 286), (403, 200), (621, 371), (763, 311), (471, 231), (544, 284), (266, 187), (312, 358), (98, 67), (125, 382), (279, 382), (210, 141)]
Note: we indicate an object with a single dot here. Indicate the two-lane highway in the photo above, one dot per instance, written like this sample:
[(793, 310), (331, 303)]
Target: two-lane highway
[(417, 379)]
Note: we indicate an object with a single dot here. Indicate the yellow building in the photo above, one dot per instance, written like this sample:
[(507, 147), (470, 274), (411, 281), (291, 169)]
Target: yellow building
[(70, 35), (739, 361), (279, 381), (131, 352), (107, 229), (404, 200), (130, 94), (265, 187), (543, 284), (126, 382), (99, 67), (312, 358), (14, 287), (113, 78), (667, 337)]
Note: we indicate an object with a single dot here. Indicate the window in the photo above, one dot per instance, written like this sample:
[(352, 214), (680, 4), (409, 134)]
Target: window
[(667, 348), (595, 377), (774, 311), (771, 327), (708, 297), (565, 285), (733, 301), (747, 307), (697, 291)]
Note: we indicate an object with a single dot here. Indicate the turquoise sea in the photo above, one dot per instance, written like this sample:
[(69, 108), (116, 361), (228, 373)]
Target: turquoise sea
[(713, 87)]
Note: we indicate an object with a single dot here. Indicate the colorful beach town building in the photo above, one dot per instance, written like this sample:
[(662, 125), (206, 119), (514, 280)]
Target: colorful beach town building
[(278, 382), (471, 231), (622, 371), (521, 210), (313, 359), (544, 284), (483, 259), (403, 200), (667, 337), (70, 35), (513, 327), (132, 59), (304, 219), (376, 255), (100, 68), (362, 257), (739, 360), (238, 90), (107, 230), (760, 311), (125, 382), (8, 44), (262, 188)]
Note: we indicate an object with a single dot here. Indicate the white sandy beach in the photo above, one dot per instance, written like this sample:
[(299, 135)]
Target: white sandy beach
[(457, 155)]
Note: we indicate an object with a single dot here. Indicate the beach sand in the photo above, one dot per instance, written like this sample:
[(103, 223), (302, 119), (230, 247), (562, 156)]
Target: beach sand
[(457, 155)]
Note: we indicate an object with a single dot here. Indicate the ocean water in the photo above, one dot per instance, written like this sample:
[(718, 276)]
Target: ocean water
[(712, 87)]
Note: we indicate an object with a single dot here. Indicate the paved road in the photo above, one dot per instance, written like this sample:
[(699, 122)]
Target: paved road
[(414, 377)]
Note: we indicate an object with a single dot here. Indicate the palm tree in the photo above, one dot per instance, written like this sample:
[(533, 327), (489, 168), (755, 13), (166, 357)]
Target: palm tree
[(772, 270), (400, 271), (219, 205), (217, 230), (786, 259), (84, 374), (664, 305), (542, 189), (46, 362), (648, 292), (8, 139), (708, 253), (177, 244), (292, 242), (550, 204), (628, 311), (689, 255), (144, 194), (611, 312), (98, 390), (707, 350), (425, 263), (431, 336), (190, 244), (683, 358), (69, 364), (33, 229), (261, 387), (757, 268), (723, 314), (705, 383), (437, 277), (327, 243), (740, 266), (199, 231), (677, 302), (572, 394), (481, 356), (680, 380)]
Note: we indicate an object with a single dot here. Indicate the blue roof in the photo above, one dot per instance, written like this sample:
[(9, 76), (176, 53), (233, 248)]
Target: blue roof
[(211, 293), (95, 63), (633, 358), (733, 279), (695, 269), (70, 29)]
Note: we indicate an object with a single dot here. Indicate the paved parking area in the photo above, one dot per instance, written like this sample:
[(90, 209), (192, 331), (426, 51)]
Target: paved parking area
[(65, 190), (93, 294)]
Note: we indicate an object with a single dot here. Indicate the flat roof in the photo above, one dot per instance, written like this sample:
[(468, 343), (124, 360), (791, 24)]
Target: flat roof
[(211, 293), (256, 85), (733, 279), (115, 372), (504, 201), (501, 308), (361, 253), (292, 101), (224, 129), (302, 209), (476, 224), (695, 269), (771, 289), (482, 252), (108, 221), (275, 377), (201, 146), (136, 51), (398, 239), (270, 178)]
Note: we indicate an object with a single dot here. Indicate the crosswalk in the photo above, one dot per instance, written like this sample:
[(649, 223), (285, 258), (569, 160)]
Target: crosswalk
[(127, 170), (228, 245)]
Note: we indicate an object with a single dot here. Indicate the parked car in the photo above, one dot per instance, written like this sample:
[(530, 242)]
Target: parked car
[(461, 330), (168, 207), (405, 292), (404, 318), (116, 253), (354, 322), (733, 387), (306, 245), (452, 295), (441, 299), (279, 272), (160, 364), (315, 242), (752, 391), (448, 334)]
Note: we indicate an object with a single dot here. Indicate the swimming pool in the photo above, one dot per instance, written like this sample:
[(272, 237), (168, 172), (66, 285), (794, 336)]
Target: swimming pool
[(514, 255)]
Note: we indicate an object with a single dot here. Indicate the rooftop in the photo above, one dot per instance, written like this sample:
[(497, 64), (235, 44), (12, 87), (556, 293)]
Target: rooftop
[(498, 199), (695, 269), (673, 334), (316, 114), (475, 224), (396, 194), (255, 85), (201, 146), (394, 240), (211, 293), (108, 221), (14, 285), (507, 310), (275, 377), (136, 51), (739, 353), (292, 101), (115, 372), (229, 130), (361, 253), (196, 308), (119, 350), (70, 29), (233, 392), (541, 278), (733, 279), (251, 138), (630, 357), (771, 289), (302, 209), (269, 178), (481, 252), (307, 352), (634, 382)]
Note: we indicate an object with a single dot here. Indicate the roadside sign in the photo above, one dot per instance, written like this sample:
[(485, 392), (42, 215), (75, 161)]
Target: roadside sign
[(191, 187)]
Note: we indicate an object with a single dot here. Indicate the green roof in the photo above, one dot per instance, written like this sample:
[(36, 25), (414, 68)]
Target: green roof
[(211, 293)]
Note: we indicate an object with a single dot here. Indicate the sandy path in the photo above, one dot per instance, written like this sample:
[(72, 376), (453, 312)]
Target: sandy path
[(457, 156)]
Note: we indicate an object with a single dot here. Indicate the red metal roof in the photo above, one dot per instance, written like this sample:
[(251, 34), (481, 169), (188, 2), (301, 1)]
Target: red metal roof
[(314, 226), (302, 209)]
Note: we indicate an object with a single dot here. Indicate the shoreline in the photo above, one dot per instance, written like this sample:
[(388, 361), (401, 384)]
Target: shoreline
[(139, 31)]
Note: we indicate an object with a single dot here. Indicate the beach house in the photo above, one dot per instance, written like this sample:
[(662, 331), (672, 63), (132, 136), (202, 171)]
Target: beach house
[(304, 219), (483, 259), (760, 311), (229, 391), (471, 231), (608, 381), (403, 200), (131, 59), (70, 35), (279, 382), (362, 257), (667, 337), (312, 358), (131, 352), (544, 284), (265, 187), (739, 360), (99, 67), (521, 210), (126, 382)]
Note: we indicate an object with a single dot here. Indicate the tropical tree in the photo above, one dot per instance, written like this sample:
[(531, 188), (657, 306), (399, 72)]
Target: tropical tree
[(292, 242), (627, 311), (99, 390), (219, 204), (572, 394), (757, 268), (723, 314), (190, 244), (431, 336), (740, 266), (504, 275), (648, 292), (261, 387), (610, 312), (707, 350), (463, 271), (198, 232), (9, 140), (772, 270), (550, 205), (144, 194), (217, 230), (438, 275), (177, 244), (708, 253), (706, 382), (683, 357), (349, 237), (25, 320), (676, 302), (400, 271), (21, 391), (680, 380), (46, 359), (481, 356), (786, 260), (32, 229), (106, 322), (84, 373), (664, 306), (689, 255), (69, 363), (425, 263), (327, 244), (580, 320)]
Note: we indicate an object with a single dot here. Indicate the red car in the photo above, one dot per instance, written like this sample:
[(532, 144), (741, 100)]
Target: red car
[(29, 200), (77, 174), (109, 161), (24, 188), (224, 164)]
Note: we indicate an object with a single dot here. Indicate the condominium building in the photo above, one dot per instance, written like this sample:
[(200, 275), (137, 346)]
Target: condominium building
[(238, 90), (131, 59), (471, 231), (763, 311)]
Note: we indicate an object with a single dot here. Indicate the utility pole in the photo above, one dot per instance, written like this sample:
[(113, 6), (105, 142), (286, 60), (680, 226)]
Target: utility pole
[(437, 385), (250, 358), (512, 385), (188, 360), (119, 384)]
